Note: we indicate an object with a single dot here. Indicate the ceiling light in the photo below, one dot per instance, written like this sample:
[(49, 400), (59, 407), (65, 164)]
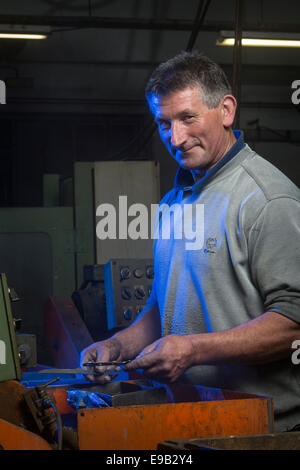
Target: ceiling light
[(257, 39), (21, 36), (24, 32)]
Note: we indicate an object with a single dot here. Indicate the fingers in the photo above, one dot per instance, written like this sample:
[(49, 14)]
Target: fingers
[(157, 361), (149, 360), (98, 352), (155, 371), (104, 377), (146, 358)]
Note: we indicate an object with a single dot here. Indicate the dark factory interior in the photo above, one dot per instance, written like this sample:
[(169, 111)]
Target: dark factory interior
[(79, 142)]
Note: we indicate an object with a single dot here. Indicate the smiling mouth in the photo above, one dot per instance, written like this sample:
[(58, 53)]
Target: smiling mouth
[(186, 152), (181, 151)]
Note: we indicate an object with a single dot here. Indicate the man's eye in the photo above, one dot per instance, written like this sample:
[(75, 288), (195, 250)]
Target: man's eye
[(188, 117), (164, 125)]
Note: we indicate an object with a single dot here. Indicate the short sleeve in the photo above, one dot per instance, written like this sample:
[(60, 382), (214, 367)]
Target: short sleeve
[(274, 256)]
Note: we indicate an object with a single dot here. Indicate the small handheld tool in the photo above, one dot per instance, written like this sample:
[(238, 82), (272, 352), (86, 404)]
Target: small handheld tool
[(90, 371), (108, 363)]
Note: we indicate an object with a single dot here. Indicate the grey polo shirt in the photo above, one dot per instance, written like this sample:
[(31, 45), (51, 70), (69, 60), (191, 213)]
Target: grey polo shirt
[(248, 263)]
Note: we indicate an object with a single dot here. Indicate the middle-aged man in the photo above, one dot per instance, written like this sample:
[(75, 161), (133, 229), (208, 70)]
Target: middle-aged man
[(225, 314)]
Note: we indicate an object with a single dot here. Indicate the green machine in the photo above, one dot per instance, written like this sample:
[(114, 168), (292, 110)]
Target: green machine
[(37, 256), (9, 357), (43, 250)]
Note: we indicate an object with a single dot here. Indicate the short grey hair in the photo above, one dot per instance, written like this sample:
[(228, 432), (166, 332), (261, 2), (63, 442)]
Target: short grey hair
[(190, 69)]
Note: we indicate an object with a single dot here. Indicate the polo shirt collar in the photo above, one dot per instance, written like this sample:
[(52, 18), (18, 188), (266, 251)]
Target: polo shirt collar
[(184, 179)]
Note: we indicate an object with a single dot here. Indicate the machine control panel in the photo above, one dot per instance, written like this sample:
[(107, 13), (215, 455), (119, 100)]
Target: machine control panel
[(128, 284)]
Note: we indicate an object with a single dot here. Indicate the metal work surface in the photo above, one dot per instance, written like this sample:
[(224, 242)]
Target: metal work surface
[(143, 427), (173, 412), (138, 415), (117, 394)]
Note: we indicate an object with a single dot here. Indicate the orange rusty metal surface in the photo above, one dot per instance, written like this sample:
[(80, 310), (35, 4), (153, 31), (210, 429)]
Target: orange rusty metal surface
[(12, 406), (13, 437), (61, 396), (144, 427)]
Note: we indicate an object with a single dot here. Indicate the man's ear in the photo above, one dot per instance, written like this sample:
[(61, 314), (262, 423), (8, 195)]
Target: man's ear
[(228, 106)]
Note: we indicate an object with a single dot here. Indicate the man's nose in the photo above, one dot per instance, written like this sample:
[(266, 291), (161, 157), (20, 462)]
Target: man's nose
[(178, 135)]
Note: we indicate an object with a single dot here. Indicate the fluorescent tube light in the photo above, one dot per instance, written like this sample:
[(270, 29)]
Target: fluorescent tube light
[(24, 32), (22, 36), (256, 39)]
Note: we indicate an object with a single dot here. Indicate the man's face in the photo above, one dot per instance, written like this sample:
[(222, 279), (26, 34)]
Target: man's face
[(194, 134)]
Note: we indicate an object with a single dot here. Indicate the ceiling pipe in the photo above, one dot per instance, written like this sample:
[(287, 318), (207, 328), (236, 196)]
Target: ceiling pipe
[(200, 15), (237, 58), (84, 22)]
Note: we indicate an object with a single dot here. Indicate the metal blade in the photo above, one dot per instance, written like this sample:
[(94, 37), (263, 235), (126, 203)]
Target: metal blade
[(65, 371), (108, 363)]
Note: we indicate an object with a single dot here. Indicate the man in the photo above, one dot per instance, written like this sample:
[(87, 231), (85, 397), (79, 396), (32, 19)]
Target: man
[(225, 315)]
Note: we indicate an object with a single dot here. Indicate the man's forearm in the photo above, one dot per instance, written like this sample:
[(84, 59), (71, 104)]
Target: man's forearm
[(263, 340), (142, 332)]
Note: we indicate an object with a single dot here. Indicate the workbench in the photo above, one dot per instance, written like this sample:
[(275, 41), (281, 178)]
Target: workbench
[(142, 414)]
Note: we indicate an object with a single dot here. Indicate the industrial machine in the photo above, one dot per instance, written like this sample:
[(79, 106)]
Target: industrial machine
[(46, 409)]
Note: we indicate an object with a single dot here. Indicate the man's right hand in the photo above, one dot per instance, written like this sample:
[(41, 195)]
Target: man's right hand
[(102, 351)]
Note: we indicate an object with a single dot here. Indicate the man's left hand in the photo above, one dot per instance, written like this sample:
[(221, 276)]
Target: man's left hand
[(165, 360)]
